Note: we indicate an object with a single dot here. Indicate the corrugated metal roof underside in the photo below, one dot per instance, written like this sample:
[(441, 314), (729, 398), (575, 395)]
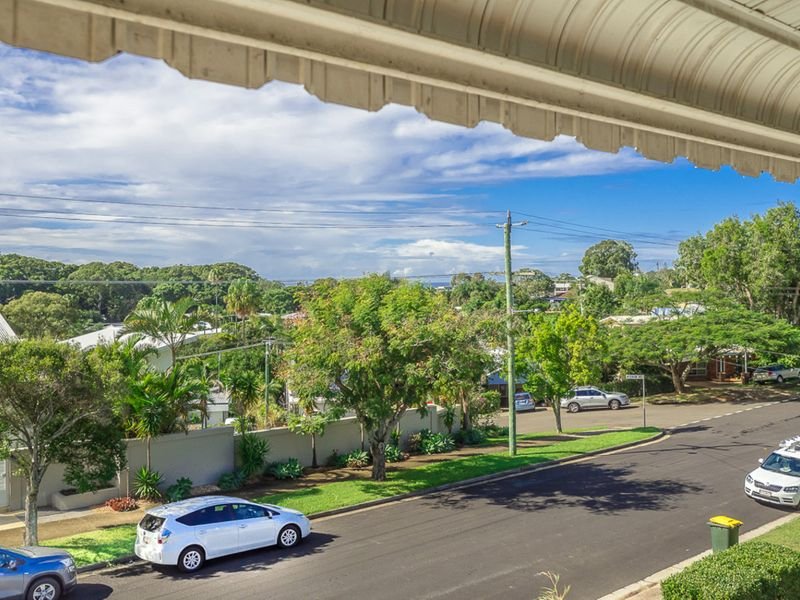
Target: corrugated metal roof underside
[(716, 81)]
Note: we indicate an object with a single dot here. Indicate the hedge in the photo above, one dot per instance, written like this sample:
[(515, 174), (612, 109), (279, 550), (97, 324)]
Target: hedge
[(751, 571)]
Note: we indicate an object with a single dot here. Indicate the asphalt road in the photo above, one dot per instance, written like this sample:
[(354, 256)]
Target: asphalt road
[(601, 524)]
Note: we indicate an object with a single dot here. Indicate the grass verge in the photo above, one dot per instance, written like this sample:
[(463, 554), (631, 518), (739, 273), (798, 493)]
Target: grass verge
[(100, 545), (106, 544), (787, 535)]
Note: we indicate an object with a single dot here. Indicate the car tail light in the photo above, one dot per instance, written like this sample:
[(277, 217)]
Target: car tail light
[(163, 537)]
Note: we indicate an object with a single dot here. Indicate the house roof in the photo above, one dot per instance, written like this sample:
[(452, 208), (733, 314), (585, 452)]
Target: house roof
[(109, 333), (715, 81), (6, 333)]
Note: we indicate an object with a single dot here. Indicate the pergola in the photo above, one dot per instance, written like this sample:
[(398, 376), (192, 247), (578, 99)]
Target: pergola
[(716, 81)]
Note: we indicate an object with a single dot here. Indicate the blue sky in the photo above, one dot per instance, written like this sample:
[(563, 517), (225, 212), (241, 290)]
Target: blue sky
[(128, 160)]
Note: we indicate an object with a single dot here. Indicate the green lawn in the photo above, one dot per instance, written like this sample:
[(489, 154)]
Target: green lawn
[(347, 493), (786, 535), (96, 546), (112, 542)]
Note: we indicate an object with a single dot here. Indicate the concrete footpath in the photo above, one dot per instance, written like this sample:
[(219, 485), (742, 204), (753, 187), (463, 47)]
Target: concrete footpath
[(649, 588)]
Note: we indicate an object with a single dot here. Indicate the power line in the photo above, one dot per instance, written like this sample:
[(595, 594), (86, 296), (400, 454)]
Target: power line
[(182, 222), (243, 208), (596, 228)]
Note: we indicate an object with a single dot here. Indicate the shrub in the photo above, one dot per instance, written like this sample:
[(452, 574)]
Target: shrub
[(414, 445), (436, 443), (470, 437), (122, 504), (252, 452), (357, 459), (394, 437), (751, 571), (335, 459), (393, 454), (145, 485), (231, 481), (291, 469), (179, 490)]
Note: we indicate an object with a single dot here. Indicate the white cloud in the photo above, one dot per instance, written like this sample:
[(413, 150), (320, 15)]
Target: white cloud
[(134, 130)]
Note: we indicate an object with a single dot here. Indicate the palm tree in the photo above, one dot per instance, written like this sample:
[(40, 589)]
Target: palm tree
[(168, 322), (245, 389), (243, 299), (148, 405)]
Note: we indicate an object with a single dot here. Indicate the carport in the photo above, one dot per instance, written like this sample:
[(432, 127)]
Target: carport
[(716, 81)]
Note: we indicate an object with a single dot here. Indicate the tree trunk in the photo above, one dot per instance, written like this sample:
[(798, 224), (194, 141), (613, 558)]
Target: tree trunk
[(361, 427), (314, 450), (378, 450), (466, 418), (677, 380), (32, 513), (556, 404), (147, 452)]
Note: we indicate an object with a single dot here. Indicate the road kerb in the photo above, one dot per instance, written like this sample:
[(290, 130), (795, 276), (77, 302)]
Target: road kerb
[(630, 592), (434, 490)]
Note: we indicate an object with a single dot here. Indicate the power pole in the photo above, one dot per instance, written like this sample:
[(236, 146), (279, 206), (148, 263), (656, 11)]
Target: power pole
[(267, 348), (512, 382)]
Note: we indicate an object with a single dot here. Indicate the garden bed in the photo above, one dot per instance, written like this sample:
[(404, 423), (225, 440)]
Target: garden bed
[(72, 500)]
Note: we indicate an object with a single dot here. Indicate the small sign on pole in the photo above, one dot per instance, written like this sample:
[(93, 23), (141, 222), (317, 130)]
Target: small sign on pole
[(640, 377)]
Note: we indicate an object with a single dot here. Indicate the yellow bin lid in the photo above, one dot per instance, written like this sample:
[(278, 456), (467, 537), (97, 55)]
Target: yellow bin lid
[(724, 522)]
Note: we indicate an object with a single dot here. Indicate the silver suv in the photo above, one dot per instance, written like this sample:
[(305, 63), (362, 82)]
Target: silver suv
[(584, 397)]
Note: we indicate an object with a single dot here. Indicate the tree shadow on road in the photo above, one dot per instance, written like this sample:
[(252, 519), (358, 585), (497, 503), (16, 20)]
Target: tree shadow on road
[(597, 488), (91, 591), (254, 560)]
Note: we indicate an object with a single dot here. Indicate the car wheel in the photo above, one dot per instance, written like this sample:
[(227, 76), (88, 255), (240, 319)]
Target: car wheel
[(573, 407), (779, 379), (289, 536), (191, 559), (45, 588), (614, 404)]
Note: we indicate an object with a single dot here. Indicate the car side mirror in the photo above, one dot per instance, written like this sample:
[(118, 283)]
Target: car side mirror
[(760, 460), (11, 565)]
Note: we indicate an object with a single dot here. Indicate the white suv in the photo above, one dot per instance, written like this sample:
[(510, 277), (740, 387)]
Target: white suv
[(777, 480), (188, 532)]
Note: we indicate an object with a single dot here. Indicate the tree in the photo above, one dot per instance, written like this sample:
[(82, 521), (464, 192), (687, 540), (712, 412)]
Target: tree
[(113, 301), (532, 288), (53, 409), (164, 321), (461, 367), (559, 353), (312, 424), (474, 292), (673, 344), (18, 267), (162, 403), (243, 299), (44, 314), (609, 258), (369, 346), (598, 301), (245, 389)]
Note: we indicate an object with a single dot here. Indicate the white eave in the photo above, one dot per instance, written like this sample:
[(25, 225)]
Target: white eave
[(716, 81), (6, 333)]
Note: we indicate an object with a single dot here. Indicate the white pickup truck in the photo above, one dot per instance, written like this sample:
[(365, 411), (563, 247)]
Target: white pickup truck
[(776, 373)]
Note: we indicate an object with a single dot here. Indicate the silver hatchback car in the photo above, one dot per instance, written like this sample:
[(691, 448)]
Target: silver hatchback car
[(581, 398), (36, 573)]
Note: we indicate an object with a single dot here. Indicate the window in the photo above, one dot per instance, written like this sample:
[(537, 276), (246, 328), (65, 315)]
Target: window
[(151, 523), (249, 511), (208, 516), (782, 464), (5, 560), (583, 393)]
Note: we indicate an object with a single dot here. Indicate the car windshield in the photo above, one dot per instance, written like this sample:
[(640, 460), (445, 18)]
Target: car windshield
[(782, 464)]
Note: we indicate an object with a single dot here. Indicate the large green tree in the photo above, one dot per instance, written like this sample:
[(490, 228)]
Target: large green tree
[(45, 314), (609, 258), (16, 267), (673, 344), (53, 409), (370, 346), (112, 300), (558, 353)]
